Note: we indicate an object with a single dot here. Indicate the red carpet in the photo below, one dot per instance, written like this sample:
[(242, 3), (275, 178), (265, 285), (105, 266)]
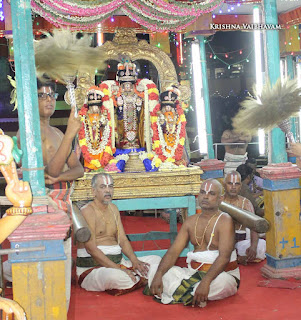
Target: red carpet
[(250, 303), (134, 224)]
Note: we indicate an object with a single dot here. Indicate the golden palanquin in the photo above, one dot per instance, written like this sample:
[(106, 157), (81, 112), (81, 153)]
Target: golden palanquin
[(129, 185)]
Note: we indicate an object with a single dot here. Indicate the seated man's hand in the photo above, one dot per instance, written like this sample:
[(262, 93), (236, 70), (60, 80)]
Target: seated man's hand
[(251, 253), (201, 293), (156, 287), (242, 260), (142, 267), (130, 274)]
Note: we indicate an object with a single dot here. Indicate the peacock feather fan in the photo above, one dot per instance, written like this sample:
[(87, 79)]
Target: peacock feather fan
[(62, 55), (274, 105)]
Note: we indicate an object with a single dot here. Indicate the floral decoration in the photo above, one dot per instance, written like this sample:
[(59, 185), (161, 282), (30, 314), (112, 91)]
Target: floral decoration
[(166, 152), (156, 15), (98, 156)]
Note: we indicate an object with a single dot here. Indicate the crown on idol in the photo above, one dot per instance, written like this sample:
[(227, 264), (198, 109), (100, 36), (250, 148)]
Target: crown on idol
[(94, 96), (126, 71), (170, 96)]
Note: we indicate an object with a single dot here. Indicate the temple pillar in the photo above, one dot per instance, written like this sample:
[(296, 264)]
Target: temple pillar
[(38, 276), (277, 152), (28, 111), (205, 95), (282, 210)]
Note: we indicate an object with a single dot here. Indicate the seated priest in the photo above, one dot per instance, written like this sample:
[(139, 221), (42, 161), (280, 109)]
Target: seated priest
[(100, 265), (249, 247), (212, 272), (246, 174)]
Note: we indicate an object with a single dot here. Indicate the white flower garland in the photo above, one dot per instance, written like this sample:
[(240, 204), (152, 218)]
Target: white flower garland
[(170, 20), (152, 103), (143, 155), (167, 166), (124, 157), (71, 17)]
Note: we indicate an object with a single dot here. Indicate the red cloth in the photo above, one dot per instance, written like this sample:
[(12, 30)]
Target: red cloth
[(60, 193)]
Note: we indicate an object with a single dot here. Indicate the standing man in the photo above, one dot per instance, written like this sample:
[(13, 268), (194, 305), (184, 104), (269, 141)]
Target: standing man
[(61, 165), (236, 154), (100, 266), (212, 272), (249, 247)]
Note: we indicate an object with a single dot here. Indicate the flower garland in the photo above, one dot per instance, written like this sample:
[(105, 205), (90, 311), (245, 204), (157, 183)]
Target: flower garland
[(159, 144), (118, 163), (157, 26), (149, 17), (147, 158), (177, 8), (180, 9), (99, 158), (88, 140), (152, 91), (82, 11), (164, 145), (151, 96), (156, 15)]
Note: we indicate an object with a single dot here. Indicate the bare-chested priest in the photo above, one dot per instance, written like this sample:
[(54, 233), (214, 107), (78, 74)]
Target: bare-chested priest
[(100, 265), (235, 153), (249, 247), (212, 272), (61, 164)]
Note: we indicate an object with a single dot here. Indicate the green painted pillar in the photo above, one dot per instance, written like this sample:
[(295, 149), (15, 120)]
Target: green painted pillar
[(206, 96), (28, 112), (290, 67), (291, 75), (277, 143)]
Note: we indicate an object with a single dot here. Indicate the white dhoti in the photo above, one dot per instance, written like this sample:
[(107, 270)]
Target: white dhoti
[(224, 285), (102, 279), (243, 245), (233, 161)]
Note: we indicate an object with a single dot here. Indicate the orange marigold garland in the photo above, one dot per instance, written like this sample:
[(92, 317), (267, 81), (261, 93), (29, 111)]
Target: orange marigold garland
[(99, 158)]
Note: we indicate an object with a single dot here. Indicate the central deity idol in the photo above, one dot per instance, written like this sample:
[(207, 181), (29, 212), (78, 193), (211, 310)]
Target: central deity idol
[(129, 108)]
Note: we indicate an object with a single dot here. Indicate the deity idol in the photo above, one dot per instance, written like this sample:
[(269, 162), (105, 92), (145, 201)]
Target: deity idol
[(170, 127), (129, 108), (95, 134)]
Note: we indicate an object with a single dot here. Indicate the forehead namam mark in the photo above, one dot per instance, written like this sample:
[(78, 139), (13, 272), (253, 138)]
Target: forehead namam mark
[(107, 181), (234, 178), (208, 187), (46, 89)]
